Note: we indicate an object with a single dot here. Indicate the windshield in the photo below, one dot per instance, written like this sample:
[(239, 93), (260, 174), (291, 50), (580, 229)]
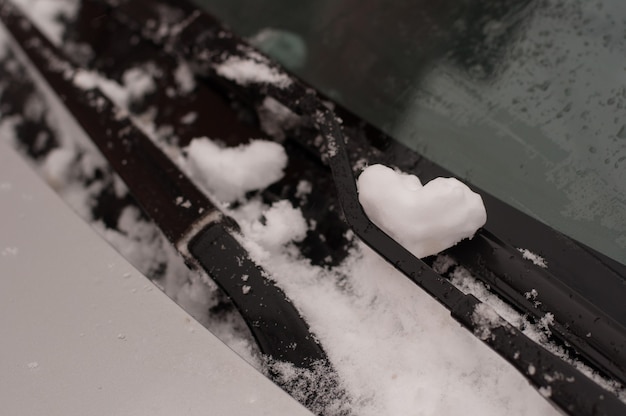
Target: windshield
[(525, 99)]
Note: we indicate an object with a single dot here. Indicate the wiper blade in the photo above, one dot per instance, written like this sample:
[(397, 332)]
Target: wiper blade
[(197, 228)]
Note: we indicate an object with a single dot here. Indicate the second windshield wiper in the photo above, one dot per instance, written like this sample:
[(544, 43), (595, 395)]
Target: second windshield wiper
[(202, 233)]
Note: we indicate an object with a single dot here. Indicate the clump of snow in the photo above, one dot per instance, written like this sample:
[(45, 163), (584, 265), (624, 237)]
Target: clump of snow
[(245, 71), (282, 224), (47, 14), (303, 189), (275, 118), (546, 322), (230, 172), (138, 82), (86, 80), (189, 118), (305, 383), (535, 258), (545, 391), (443, 264), (184, 77), (532, 295), (426, 219), (57, 166), (485, 318), (32, 365)]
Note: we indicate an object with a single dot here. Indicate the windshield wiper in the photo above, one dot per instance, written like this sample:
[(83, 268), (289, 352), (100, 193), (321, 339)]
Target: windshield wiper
[(206, 44), (201, 232)]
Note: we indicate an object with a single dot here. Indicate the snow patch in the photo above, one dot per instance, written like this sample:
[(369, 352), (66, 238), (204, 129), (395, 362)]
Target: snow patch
[(545, 391), (184, 78), (229, 172), (57, 166), (245, 71), (303, 190), (48, 14), (10, 251), (426, 219), (189, 118), (535, 258), (485, 318), (138, 82), (282, 224)]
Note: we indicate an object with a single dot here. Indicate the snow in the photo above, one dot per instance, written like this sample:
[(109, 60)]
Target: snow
[(245, 71), (46, 13), (282, 224), (485, 318), (303, 189), (230, 172), (189, 117), (56, 168), (535, 258), (138, 83), (426, 219), (32, 365), (184, 78)]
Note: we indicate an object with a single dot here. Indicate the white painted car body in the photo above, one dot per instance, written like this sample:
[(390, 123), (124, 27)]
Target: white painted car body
[(84, 333)]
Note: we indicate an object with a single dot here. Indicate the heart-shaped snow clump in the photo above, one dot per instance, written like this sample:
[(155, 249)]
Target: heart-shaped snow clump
[(425, 219), (230, 172)]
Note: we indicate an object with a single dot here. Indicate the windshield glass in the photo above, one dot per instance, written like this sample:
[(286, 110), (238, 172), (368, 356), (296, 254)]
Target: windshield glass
[(525, 99)]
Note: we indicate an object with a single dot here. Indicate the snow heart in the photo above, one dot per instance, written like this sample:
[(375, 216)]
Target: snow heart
[(229, 172), (425, 219)]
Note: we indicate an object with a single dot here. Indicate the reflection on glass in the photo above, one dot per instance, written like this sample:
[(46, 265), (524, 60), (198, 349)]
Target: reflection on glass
[(526, 99)]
